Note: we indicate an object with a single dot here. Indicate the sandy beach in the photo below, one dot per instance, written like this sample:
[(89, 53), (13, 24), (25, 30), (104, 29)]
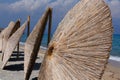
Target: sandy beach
[(112, 71), (14, 68)]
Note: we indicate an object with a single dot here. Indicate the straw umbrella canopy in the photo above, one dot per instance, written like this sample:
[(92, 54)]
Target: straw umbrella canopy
[(80, 47), (33, 43), (7, 33), (11, 44)]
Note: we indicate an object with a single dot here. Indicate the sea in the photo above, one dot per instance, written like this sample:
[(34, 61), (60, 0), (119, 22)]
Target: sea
[(115, 51), (114, 54)]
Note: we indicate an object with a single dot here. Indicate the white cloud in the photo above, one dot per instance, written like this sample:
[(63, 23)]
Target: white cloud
[(115, 7), (31, 5), (35, 8), (58, 5), (28, 5)]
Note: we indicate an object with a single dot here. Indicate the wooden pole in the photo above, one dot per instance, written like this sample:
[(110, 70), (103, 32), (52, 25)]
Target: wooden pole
[(18, 51), (2, 47), (28, 31), (49, 26), (18, 43)]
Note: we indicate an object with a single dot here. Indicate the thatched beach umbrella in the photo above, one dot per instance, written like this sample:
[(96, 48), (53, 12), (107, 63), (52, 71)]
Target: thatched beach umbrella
[(80, 47), (12, 43), (33, 43), (7, 33)]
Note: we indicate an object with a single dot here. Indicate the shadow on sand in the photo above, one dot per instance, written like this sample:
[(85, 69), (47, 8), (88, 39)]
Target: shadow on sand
[(35, 78), (18, 64), (19, 67), (15, 59)]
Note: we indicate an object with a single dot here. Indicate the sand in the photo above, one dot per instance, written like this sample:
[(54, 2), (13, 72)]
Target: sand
[(112, 71), (14, 68)]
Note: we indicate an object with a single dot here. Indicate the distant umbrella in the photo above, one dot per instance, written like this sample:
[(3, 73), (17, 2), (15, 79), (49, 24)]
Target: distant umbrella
[(33, 43), (7, 33), (12, 43), (80, 47)]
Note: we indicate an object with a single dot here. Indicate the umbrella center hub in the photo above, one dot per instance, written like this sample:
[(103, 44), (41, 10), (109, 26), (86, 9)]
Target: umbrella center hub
[(50, 50)]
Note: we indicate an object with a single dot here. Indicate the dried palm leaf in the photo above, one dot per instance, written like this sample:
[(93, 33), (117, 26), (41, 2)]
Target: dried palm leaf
[(11, 44), (32, 44), (80, 47)]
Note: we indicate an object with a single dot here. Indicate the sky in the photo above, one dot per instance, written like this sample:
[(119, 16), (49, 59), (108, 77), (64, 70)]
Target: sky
[(12, 10)]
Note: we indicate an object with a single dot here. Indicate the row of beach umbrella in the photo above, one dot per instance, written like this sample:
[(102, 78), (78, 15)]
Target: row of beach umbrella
[(79, 49)]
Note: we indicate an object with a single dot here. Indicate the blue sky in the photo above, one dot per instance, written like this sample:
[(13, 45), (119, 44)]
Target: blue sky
[(11, 10)]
